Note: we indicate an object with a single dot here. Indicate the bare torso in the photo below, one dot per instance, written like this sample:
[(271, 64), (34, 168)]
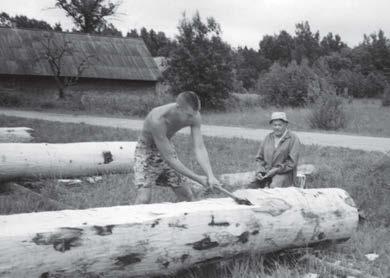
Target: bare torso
[(163, 116)]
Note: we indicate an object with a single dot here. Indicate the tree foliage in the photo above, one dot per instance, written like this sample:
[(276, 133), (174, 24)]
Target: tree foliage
[(22, 21), (306, 43), (157, 43), (378, 49), (88, 15), (277, 48), (201, 62), (331, 43), (248, 64)]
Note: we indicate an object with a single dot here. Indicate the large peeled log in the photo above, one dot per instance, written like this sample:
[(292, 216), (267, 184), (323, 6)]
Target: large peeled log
[(15, 134), (23, 160), (164, 238)]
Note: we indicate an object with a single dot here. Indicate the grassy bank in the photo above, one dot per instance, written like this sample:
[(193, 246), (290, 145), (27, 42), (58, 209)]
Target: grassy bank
[(365, 175)]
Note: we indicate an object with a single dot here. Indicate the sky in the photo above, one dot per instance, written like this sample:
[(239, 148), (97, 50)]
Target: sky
[(243, 22)]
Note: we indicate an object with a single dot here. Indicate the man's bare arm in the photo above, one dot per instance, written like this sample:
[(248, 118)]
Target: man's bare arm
[(164, 146), (201, 153)]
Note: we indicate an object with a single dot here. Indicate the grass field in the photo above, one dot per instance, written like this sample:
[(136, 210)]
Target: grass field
[(365, 175), (364, 117)]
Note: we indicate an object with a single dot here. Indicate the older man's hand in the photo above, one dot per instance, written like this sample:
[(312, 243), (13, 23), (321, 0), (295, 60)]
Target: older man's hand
[(260, 175), (271, 173)]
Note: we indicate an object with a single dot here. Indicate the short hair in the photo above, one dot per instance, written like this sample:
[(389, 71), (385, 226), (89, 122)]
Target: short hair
[(191, 99)]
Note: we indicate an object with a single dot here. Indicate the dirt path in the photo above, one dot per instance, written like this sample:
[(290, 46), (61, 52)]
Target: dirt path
[(308, 138)]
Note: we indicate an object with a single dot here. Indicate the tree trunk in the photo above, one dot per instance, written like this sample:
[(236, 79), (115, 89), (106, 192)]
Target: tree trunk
[(60, 86), (15, 134), (163, 238), (64, 160)]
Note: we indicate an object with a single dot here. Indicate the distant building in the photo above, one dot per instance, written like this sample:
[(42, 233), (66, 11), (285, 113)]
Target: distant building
[(118, 65)]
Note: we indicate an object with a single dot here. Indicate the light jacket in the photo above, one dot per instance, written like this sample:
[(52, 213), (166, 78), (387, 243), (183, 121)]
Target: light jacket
[(285, 157)]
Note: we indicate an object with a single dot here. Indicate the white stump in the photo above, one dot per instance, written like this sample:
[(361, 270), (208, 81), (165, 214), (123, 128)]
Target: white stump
[(164, 238), (23, 160)]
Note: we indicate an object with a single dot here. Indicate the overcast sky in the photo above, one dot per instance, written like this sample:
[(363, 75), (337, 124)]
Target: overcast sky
[(243, 22)]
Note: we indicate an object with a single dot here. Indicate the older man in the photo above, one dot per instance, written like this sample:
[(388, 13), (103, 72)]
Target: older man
[(278, 155)]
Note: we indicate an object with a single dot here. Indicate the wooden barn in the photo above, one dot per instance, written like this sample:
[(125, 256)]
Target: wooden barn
[(114, 65)]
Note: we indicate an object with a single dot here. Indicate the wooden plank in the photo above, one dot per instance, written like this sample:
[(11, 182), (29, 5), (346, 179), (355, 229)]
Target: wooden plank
[(159, 239)]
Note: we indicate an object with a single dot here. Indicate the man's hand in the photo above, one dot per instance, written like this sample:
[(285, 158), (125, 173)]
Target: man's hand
[(271, 173), (203, 180), (213, 182), (260, 176)]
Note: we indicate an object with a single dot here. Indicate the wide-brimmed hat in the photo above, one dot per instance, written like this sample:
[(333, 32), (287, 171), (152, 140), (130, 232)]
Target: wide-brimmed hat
[(278, 116)]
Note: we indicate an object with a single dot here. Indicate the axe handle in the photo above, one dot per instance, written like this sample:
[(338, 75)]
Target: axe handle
[(223, 190)]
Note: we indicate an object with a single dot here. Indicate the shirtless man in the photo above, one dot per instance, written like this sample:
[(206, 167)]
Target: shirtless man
[(156, 161)]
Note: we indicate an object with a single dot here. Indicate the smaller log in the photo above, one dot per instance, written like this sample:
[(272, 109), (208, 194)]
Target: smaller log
[(245, 179), (16, 134)]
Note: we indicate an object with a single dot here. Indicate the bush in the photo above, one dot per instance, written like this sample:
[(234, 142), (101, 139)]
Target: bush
[(289, 86), (131, 105), (353, 82), (386, 97), (346, 79), (375, 84), (328, 112), (10, 100)]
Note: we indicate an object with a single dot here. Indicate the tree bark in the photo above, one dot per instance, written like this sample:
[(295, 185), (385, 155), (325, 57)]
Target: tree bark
[(21, 160), (164, 238), (15, 134)]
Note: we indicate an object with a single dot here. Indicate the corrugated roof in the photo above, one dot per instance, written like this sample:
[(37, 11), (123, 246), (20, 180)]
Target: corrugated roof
[(117, 58)]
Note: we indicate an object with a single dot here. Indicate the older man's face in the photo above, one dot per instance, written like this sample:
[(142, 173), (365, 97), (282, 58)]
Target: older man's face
[(279, 127)]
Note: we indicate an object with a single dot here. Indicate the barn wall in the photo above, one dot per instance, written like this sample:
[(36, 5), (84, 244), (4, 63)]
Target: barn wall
[(41, 92), (46, 85)]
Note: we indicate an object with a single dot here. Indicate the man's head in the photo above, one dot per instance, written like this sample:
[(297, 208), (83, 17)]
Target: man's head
[(188, 103), (279, 123)]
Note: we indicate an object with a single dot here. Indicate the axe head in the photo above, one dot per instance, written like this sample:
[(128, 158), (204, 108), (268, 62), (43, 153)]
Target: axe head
[(243, 202)]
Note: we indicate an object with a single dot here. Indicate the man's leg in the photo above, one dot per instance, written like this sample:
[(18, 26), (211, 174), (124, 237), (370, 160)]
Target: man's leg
[(144, 173), (144, 196), (183, 193), (281, 180), (178, 183)]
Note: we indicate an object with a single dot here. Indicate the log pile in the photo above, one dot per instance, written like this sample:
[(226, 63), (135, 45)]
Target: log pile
[(159, 239)]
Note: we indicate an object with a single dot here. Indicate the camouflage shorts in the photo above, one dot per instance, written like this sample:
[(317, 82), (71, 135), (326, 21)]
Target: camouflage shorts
[(151, 169)]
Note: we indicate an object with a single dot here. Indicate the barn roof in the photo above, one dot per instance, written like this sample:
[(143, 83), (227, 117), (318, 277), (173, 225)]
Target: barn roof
[(21, 52)]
